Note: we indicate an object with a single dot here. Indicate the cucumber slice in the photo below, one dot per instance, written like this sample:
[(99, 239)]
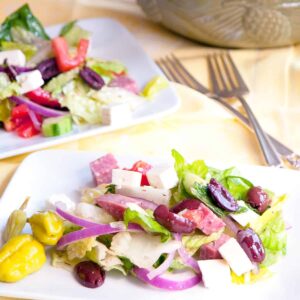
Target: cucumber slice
[(57, 126)]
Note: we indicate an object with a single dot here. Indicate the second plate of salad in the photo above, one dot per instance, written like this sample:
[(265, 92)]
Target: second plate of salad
[(73, 80)]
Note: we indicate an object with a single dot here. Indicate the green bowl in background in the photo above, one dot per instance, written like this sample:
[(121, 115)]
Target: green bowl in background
[(230, 23)]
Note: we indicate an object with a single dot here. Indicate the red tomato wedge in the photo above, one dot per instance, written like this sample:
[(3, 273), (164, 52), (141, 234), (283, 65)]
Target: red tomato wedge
[(64, 60)]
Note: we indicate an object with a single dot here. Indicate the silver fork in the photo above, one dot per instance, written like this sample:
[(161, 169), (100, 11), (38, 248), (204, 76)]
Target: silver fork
[(228, 83), (175, 71)]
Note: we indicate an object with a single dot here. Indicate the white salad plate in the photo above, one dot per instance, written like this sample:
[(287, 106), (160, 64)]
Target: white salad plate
[(111, 41), (49, 172)]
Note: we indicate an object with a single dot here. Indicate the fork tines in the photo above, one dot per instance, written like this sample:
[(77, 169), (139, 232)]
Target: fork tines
[(176, 71), (225, 78)]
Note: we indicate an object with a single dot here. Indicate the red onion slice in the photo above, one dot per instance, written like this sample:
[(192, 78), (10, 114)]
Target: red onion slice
[(171, 283), (74, 219), (163, 267), (41, 110), (100, 229), (36, 123), (186, 258)]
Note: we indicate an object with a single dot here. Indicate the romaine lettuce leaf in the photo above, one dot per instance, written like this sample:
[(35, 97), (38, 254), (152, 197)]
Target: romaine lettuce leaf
[(7, 88), (74, 33), (193, 242), (28, 50), (56, 84), (200, 192), (24, 18), (146, 221), (105, 67)]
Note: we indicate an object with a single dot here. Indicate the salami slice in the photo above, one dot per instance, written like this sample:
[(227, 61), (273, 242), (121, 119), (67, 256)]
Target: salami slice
[(125, 83), (102, 168)]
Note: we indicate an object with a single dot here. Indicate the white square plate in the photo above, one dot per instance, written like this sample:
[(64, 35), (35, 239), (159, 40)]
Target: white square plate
[(48, 172), (110, 40)]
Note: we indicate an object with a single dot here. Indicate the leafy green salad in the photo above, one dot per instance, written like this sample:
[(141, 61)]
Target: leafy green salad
[(49, 84)]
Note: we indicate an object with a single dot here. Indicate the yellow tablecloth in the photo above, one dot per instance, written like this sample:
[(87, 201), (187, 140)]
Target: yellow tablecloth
[(201, 128)]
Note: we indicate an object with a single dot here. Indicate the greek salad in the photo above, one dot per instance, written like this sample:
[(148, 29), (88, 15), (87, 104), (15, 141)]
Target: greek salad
[(47, 85), (172, 227)]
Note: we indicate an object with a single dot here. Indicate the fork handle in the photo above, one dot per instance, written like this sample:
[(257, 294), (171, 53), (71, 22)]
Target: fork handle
[(271, 156)]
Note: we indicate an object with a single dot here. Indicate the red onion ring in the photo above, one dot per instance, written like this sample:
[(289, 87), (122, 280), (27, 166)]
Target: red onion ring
[(163, 267), (167, 283)]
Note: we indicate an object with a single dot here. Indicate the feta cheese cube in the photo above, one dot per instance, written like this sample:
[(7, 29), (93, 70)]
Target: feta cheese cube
[(13, 57), (116, 114), (62, 201), (162, 177), (124, 177), (236, 257), (246, 217), (159, 196), (30, 81), (215, 273)]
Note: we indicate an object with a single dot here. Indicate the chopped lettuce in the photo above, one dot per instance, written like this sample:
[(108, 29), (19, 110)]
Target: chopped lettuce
[(193, 242), (154, 86), (274, 239), (74, 33), (28, 50), (23, 18), (7, 88), (59, 259), (106, 68), (272, 230), (80, 248), (56, 84), (200, 192), (198, 172), (89, 195), (237, 186), (145, 220)]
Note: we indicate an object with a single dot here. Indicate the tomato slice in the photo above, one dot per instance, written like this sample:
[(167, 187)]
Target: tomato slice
[(19, 111), (43, 97), (64, 61), (142, 167), (26, 130)]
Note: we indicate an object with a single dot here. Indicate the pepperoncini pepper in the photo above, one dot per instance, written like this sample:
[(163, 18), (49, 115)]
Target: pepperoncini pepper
[(46, 227), (19, 257)]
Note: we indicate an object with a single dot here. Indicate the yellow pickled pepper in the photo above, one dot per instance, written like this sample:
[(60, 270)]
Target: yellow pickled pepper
[(19, 257), (46, 227)]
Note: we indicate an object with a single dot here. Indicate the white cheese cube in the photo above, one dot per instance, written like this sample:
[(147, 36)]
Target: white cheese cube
[(30, 81), (13, 57), (236, 257), (62, 201), (215, 273), (246, 217), (162, 177), (159, 196), (124, 177), (116, 114)]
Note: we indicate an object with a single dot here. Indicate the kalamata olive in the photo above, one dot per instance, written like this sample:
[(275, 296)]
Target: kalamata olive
[(48, 68), (173, 222), (185, 204), (252, 244), (258, 198), (93, 79), (221, 196), (89, 274)]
